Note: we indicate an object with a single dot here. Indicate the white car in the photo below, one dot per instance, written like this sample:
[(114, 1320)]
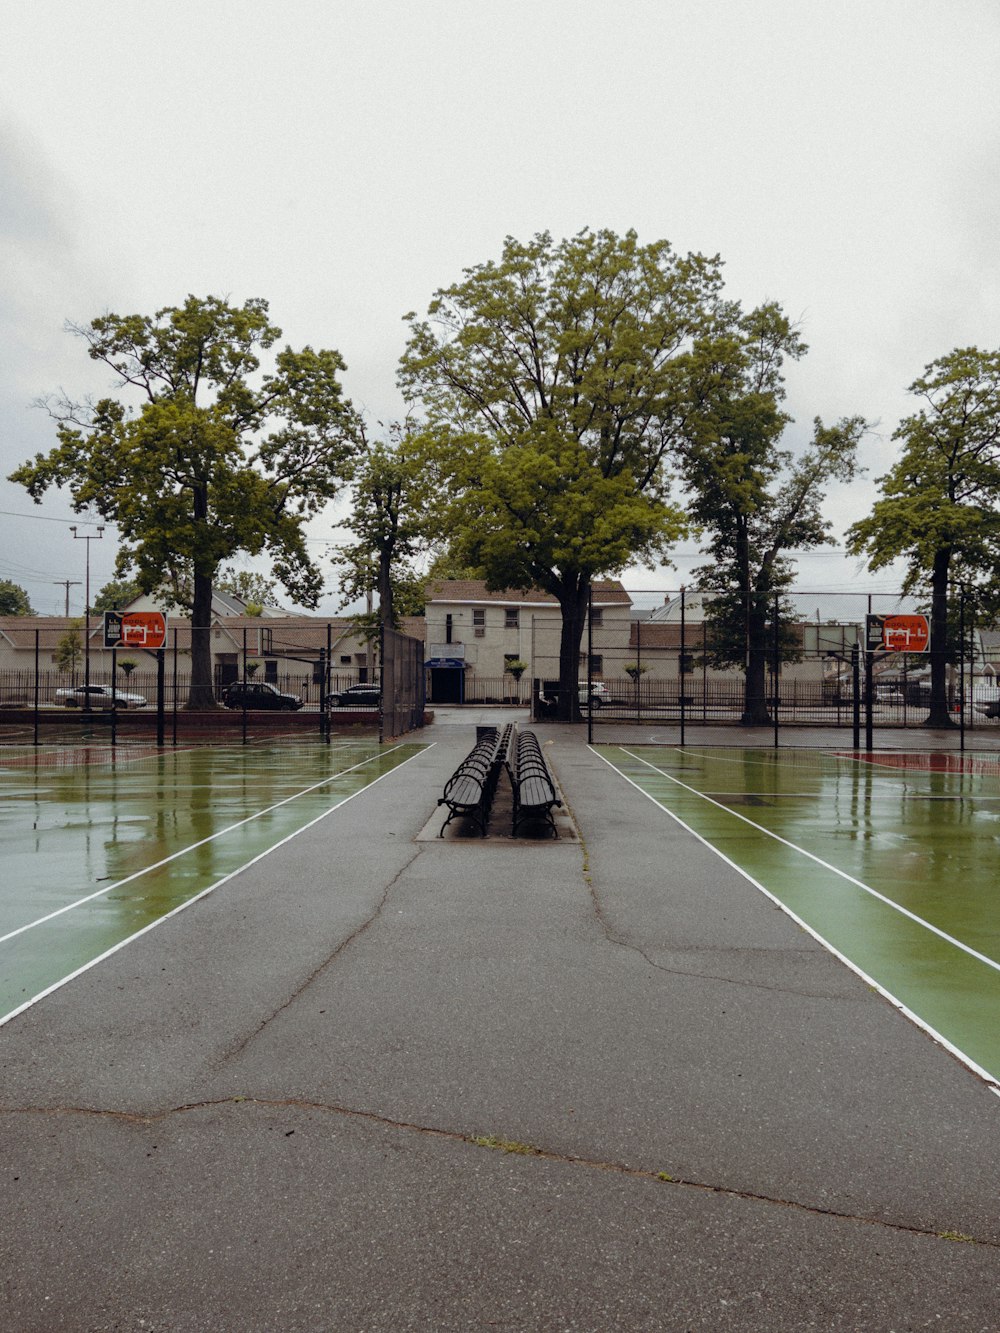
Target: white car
[(890, 694), (99, 697), (598, 693)]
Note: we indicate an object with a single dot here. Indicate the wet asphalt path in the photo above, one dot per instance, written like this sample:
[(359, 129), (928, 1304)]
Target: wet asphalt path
[(379, 1082)]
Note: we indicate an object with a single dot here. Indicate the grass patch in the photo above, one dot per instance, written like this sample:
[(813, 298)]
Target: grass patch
[(507, 1145)]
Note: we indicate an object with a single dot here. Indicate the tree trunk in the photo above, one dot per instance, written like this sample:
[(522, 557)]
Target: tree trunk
[(202, 693), (939, 716), (386, 609), (755, 711), (574, 597)]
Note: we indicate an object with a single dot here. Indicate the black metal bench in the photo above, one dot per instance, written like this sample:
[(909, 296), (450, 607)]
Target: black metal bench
[(469, 791), (532, 783)]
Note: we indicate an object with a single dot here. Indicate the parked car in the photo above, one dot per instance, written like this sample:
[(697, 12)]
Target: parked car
[(990, 709), (366, 695), (547, 704), (598, 694), (259, 694), (889, 694), (99, 696)]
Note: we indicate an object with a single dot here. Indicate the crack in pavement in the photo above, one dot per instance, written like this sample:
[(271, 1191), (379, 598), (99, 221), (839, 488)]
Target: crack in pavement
[(618, 940), (494, 1144), (240, 1046)]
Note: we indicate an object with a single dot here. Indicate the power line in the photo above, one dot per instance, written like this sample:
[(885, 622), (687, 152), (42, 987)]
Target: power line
[(44, 518)]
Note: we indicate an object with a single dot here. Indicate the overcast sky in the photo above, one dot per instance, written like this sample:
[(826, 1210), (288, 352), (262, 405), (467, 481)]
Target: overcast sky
[(344, 160)]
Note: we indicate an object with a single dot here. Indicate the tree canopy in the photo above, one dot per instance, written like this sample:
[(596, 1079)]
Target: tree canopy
[(198, 458), (396, 514), (554, 379), (115, 594), (70, 650), (256, 590), (755, 501), (14, 601), (939, 509)]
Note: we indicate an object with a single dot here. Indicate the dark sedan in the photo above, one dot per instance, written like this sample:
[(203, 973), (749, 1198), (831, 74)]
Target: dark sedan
[(355, 696), (258, 694)]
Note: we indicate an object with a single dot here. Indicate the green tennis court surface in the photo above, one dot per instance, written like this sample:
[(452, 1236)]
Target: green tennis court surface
[(891, 859), (100, 844)]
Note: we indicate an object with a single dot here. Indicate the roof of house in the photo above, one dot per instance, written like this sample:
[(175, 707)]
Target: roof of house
[(20, 630), (606, 592), (284, 636), (655, 634), (224, 604)]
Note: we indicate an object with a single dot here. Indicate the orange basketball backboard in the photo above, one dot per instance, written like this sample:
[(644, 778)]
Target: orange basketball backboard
[(135, 629), (898, 634)]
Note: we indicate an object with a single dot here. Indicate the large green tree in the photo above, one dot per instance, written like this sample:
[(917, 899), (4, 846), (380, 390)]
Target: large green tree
[(14, 601), (396, 512), (755, 501), (554, 378), (115, 594), (256, 590), (939, 509), (199, 457)]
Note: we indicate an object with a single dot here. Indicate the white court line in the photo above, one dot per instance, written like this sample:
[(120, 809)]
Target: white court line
[(892, 794), (860, 884), (5, 1018), (99, 893), (977, 1069)]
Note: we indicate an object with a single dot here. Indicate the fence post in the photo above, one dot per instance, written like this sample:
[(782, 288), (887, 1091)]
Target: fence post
[(961, 668), (173, 686), (381, 671), (114, 698), (161, 692), (244, 692), (590, 666), (777, 667), (638, 671), (35, 741), (681, 661), (324, 686), (856, 694), (869, 662)]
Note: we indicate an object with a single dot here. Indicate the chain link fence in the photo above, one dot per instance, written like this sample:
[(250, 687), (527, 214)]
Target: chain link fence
[(403, 684), (696, 660), (265, 676)]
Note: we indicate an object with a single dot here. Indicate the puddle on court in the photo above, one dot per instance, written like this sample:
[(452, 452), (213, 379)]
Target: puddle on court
[(894, 866), (99, 853)]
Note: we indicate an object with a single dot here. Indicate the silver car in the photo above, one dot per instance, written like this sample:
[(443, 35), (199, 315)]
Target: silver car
[(99, 697)]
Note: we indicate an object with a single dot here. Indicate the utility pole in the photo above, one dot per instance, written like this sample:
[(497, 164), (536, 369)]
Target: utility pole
[(67, 584), (87, 537)]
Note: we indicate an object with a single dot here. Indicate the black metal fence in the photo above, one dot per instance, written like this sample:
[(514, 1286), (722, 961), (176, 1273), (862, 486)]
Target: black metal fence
[(403, 684), (295, 674), (812, 664)]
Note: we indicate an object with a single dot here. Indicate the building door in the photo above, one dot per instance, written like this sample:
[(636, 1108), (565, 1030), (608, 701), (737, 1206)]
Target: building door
[(447, 685)]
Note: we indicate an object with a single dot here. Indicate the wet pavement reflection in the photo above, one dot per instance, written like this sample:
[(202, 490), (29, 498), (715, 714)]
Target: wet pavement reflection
[(94, 853), (893, 865)]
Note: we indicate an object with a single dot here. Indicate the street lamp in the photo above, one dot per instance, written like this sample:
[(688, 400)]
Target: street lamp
[(87, 537)]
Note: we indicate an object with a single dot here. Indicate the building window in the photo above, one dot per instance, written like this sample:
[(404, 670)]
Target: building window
[(510, 618), (597, 615), (479, 618), (596, 664)]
